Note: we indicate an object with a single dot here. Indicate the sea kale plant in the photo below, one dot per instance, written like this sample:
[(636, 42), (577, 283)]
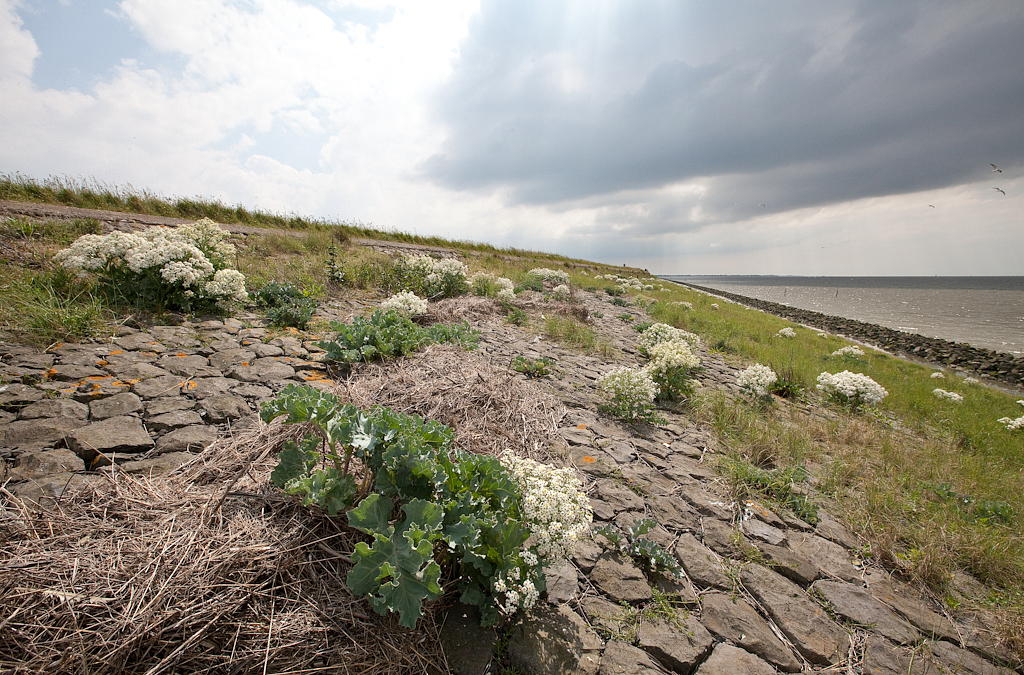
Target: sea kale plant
[(431, 512), (672, 366), (756, 381), (851, 389), (405, 303), (183, 268), (662, 332), (649, 555), (532, 368), (1013, 423), (285, 304), (851, 352), (629, 394), (385, 335), (548, 276), (431, 278), (488, 285)]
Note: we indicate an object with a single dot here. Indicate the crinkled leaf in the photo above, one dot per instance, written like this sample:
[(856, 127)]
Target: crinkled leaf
[(295, 460), (372, 515)]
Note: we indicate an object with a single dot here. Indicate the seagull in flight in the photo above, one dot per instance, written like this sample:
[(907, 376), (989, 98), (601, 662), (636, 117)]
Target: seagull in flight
[(995, 169), (1000, 189), (932, 205)]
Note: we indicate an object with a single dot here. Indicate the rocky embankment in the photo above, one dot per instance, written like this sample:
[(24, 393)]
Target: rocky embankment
[(763, 591), (996, 365)]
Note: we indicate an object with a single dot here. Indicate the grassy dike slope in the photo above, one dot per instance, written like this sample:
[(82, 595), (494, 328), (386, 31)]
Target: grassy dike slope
[(930, 488)]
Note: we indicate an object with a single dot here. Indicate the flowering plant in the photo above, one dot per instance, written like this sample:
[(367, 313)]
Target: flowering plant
[(489, 285), (179, 268), (682, 303), (405, 303), (630, 393), (714, 305), (433, 513), (432, 278), (937, 375), (849, 351), (786, 332), (549, 275), (948, 395), (756, 381), (561, 292), (662, 332), (1012, 423), (554, 506), (671, 366), (853, 389)]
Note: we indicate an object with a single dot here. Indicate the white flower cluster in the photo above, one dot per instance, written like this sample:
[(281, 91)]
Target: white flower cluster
[(435, 276), (714, 305), (937, 375), (553, 276), (211, 240), (849, 350), (948, 395), (561, 291), (682, 303), (188, 258), (227, 284), (1012, 423), (971, 380), (662, 332), (669, 356), (853, 388), (406, 303), (786, 332), (519, 591), (756, 380), (554, 506), (484, 283), (631, 391)]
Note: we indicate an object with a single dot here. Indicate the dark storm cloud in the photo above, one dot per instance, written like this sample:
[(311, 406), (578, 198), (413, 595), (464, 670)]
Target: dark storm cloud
[(772, 106)]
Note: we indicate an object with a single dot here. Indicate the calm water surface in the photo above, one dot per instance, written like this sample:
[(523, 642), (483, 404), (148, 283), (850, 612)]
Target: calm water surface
[(983, 311)]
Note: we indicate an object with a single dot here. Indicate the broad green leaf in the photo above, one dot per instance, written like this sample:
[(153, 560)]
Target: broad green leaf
[(372, 515), (295, 460)]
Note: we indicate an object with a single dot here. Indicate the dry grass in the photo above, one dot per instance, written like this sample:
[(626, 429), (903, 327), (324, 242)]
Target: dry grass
[(205, 570), (465, 308), (490, 409)]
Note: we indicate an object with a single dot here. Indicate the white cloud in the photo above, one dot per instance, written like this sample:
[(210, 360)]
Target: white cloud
[(238, 71)]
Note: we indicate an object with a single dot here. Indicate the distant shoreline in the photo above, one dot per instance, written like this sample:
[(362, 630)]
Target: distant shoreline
[(1000, 366)]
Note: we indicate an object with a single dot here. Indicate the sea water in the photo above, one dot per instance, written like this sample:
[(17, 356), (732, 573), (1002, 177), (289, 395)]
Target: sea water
[(983, 311)]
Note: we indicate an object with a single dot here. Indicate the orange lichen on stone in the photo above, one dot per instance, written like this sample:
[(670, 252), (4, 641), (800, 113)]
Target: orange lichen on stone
[(50, 373), (312, 376), (101, 362), (181, 355), (581, 426), (588, 459), (99, 377), (245, 363), (115, 352)]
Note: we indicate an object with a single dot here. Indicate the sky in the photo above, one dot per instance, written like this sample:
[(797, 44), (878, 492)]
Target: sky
[(797, 137)]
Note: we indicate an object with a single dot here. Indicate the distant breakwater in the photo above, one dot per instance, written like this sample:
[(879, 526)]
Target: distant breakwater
[(996, 365)]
